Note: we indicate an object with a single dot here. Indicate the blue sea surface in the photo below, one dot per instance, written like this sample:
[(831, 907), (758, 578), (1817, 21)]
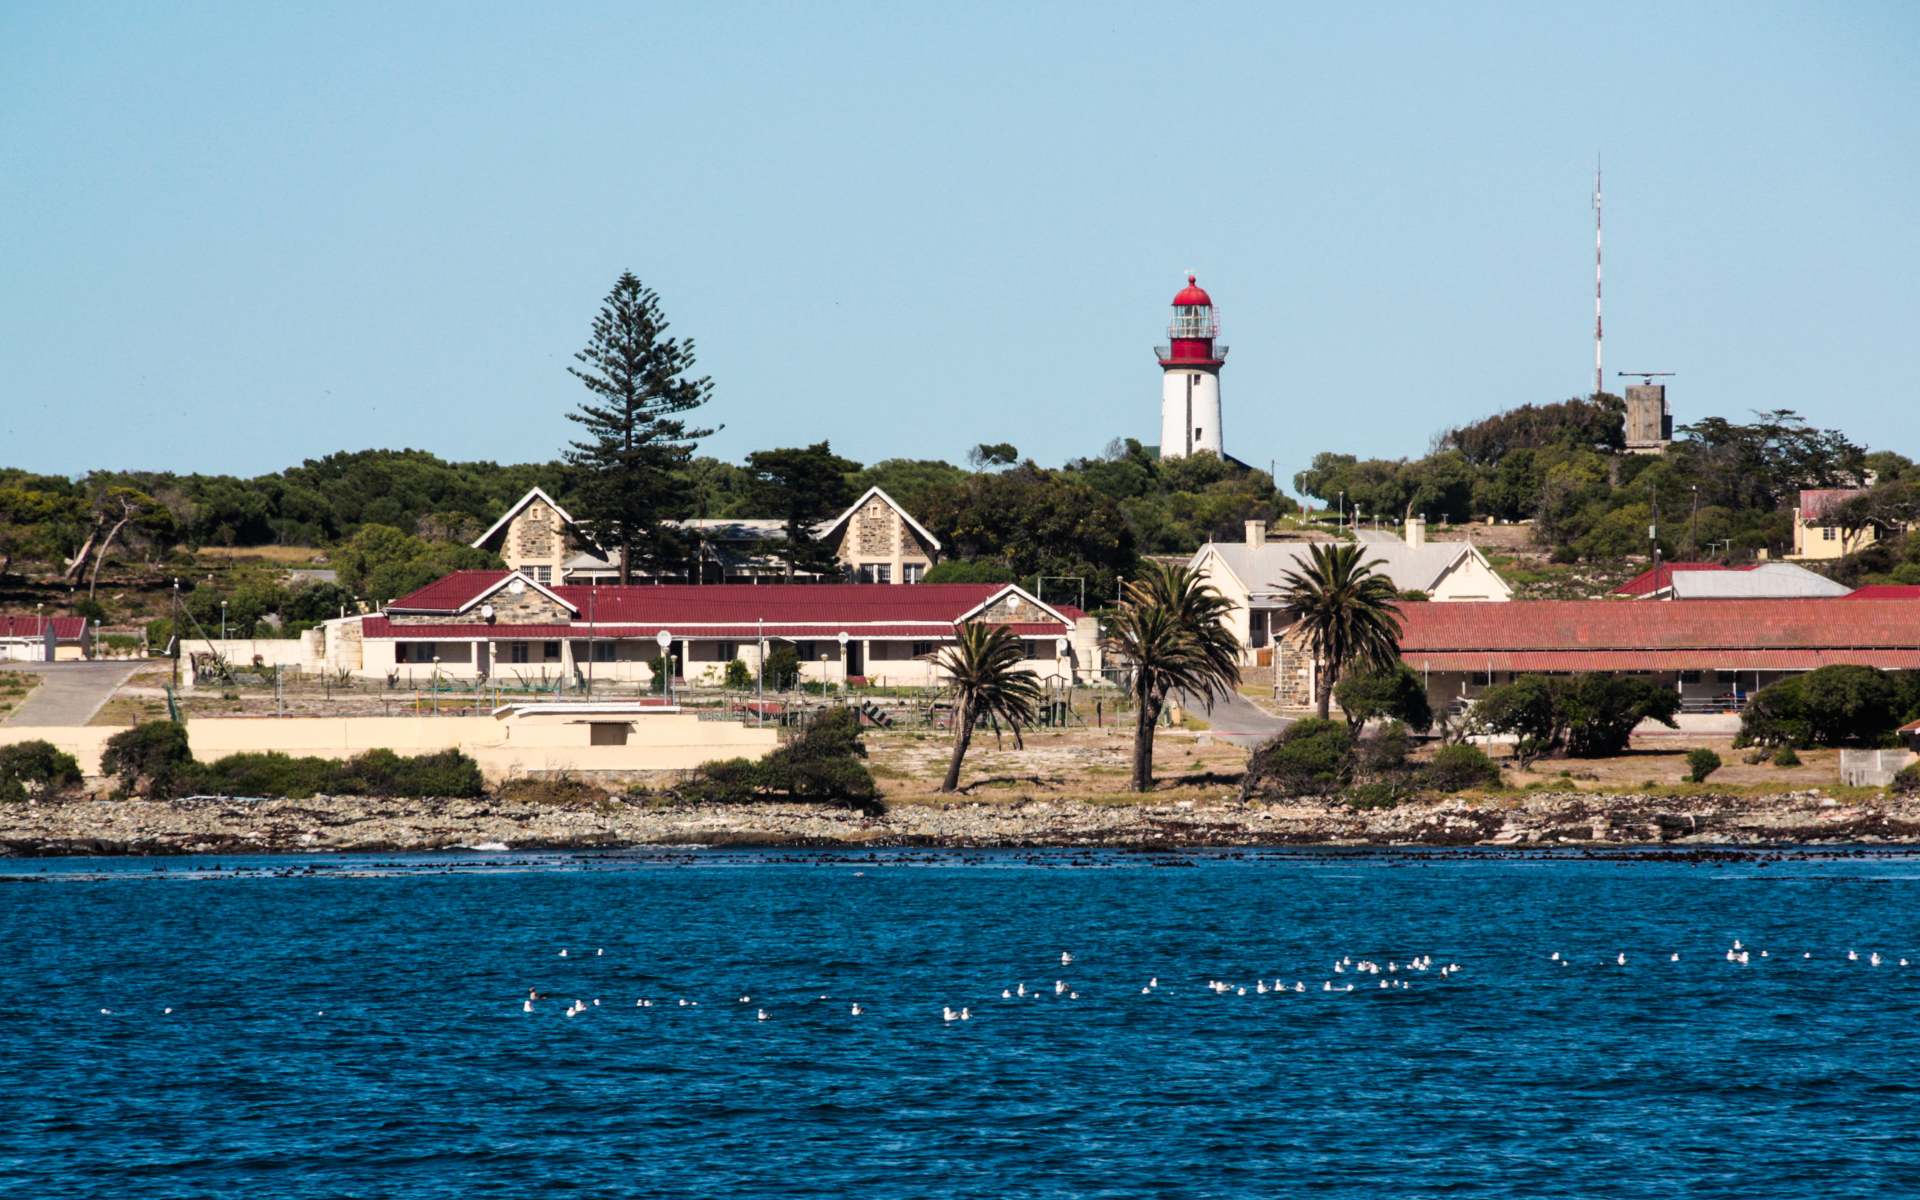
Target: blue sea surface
[(354, 1027)]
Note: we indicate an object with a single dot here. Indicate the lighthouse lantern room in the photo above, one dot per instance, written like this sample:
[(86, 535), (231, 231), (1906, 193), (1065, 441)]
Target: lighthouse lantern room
[(1190, 387)]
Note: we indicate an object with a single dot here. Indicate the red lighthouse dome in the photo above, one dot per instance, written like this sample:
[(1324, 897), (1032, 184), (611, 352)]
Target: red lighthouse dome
[(1192, 296), (1191, 334)]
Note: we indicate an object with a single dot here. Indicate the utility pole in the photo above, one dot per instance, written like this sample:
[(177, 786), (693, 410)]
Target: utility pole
[(175, 648)]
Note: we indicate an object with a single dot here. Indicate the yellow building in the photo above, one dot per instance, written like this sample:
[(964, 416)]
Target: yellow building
[(1816, 536)]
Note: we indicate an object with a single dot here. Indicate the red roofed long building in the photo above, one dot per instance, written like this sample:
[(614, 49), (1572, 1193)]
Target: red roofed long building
[(482, 624), (26, 638), (1716, 653)]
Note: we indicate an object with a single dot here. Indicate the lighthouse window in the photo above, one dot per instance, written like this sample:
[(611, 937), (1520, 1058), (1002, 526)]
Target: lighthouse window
[(1193, 379)]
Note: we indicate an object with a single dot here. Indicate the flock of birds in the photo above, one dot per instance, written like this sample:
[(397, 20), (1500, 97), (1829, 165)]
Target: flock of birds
[(1393, 976)]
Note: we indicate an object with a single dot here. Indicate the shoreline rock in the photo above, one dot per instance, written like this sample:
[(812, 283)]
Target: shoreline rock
[(205, 825)]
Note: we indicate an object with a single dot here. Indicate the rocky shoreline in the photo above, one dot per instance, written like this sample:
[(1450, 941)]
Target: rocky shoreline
[(93, 826)]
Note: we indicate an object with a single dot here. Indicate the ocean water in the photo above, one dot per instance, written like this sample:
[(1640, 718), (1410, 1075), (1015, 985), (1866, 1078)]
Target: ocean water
[(354, 1026)]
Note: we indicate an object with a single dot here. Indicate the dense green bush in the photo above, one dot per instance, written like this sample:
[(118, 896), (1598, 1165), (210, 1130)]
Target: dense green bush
[(1906, 781), (1377, 793), (1701, 762), (1833, 706), (1384, 751), (268, 774), (1459, 767), (1785, 757), (153, 759), (35, 769), (822, 764), (739, 675), (1590, 715), (1310, 758), (1394, 693), (448, 773), (783, 667)]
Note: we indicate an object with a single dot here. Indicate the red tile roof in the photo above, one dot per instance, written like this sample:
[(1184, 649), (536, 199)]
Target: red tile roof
[(1654, 579), (65, 629), (1606, 635), (1885, 591), (381, 627)]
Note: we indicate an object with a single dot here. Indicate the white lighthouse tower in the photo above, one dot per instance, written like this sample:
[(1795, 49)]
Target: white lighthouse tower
[(1190, 390)]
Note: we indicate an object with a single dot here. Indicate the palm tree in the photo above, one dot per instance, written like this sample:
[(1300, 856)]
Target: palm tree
[(1169, 629), (984, 667), (1345, 612)]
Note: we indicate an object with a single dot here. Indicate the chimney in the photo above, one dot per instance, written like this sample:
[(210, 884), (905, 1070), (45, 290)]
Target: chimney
[(1256, 533), (1417, 531)]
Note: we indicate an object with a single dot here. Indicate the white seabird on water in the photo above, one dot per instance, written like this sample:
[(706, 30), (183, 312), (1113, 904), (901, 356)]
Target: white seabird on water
[(1065, 958)]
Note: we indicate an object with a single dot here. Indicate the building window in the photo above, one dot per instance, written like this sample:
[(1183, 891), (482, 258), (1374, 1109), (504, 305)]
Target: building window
[(876, 573), (603, 651), (913, 572), (550, 650), (517, 652), (537, 573), (1828, 533), (414, 652), (726, 651), (923, 649)]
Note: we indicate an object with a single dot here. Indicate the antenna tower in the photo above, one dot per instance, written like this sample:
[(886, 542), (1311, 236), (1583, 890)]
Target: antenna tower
[(1599, 384)]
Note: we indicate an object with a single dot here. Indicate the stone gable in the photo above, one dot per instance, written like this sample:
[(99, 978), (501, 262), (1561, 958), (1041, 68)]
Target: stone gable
[(529, 607), (1009, 609)]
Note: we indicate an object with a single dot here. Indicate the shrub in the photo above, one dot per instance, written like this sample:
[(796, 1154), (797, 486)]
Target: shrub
[(1701, 762), (739, 676), (1785, 757), (1378, 793), (377, 773), (269, 774), (1833, 706), (383, 773), (36, 768), (1528, 708), (1592, 715), (1458, 767), (1395, 693), (821, 765), (1310, 758), (152, 759), (1384, 751), (1906, 781), (657, 668), (560, 790), (783, 667)]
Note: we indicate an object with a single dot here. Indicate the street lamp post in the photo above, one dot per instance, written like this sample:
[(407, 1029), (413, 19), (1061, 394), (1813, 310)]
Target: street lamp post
[(665, 640), (844, 664), (223, 620)]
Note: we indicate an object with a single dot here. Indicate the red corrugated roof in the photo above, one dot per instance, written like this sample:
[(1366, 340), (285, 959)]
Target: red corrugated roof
[(65, 629), (381, 627), (1885, 591), (677, 605), (450, 594), (1655, 578), (1606, 635)]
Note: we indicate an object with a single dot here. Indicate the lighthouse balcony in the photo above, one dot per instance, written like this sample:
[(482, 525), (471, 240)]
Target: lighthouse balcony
[(1189, 353)]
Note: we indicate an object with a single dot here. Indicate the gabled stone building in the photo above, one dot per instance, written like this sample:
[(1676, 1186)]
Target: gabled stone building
[(875, 539)]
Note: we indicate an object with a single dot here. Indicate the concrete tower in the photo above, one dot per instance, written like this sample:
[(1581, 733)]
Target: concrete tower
[(1190, 387)]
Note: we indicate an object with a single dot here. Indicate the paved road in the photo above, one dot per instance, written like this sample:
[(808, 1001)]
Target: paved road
[(69, 692), (1239, 721)]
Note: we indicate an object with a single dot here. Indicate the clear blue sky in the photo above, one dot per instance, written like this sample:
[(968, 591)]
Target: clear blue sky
[(237, 236)]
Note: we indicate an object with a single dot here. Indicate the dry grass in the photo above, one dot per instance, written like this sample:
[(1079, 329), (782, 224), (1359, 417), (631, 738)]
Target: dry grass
[(286, 556), (1081, 764), (15, 687)]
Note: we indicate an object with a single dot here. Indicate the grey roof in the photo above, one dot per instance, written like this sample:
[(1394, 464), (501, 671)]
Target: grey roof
[(1768, 581), (1410, 569)]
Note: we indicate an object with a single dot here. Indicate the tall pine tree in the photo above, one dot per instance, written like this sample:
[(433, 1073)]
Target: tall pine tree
[(626, 486), (803, 486)]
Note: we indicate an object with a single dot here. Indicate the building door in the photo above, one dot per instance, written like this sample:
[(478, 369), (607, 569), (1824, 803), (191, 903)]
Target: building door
[(856, 659)]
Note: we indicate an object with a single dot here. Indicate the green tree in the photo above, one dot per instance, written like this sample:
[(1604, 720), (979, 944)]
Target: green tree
[(802, 486), (1168, 629), (1599, 711), (626, 469), (993, 454), (1314, 757), (1346, 614), (1385, 693), (381, 563), (153, 759), (1843, 704), (1529, 709), (989, 684)]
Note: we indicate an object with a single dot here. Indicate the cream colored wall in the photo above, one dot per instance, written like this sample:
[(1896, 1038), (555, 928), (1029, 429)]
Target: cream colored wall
[(1214, 574), (1810, 543), (657, 741)]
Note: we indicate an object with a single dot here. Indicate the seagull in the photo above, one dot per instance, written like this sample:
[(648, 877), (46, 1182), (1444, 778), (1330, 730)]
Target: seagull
[(760, 1014), (1059, 985), (1154, 982), (1622, 960), (1673, 958), (1005, 994), (1874, 958), (525, 1006), (563, 952), (746, 999), (966, 1014), (106, 1012), (1554, 957), (596, 1002), (1065, 958), (1070, 996), (1298, 986), (1736, 943), (947, 1014), (1021, 990), (1853, 956), (598, 952), (854, 1011), (167, 1012)]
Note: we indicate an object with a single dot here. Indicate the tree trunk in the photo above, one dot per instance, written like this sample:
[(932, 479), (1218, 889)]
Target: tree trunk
[(79, 561), (1328, 678), (962, 737), (1144, 716), (93, 579), (626, 562)]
